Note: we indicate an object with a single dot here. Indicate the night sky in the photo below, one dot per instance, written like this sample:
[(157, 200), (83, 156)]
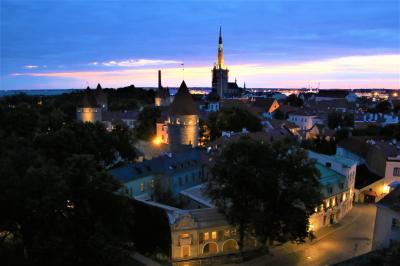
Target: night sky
[(73, 43)]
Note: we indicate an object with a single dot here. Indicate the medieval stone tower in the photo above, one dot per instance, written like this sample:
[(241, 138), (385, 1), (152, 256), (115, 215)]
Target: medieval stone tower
[(89, 110), (183, 120)]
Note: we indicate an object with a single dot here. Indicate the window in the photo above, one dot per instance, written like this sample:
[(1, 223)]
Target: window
[(328, 164), (142, 187), (180, 181), (213, 235), (330, 190), (186, 251), (341, 185), (206, 236), (396, 171), (152, 183), (395, 224)]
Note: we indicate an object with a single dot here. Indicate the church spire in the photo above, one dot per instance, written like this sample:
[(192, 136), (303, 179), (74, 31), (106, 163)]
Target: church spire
[(220, 52)]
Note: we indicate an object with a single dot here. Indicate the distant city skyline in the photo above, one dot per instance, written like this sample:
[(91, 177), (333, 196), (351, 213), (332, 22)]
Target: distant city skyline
[(294, 44)]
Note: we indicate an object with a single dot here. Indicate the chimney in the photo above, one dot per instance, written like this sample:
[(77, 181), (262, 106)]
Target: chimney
[(159, 79)]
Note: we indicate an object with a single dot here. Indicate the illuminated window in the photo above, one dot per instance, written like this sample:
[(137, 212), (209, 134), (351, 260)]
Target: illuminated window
[(142, 187), (213, 235), (152, 183), (206, 236), (185, 235)]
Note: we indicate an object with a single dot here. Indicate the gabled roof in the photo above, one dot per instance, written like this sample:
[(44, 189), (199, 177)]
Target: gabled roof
[(183, 103), (164, 164), (392, 200), (365, 177), (89, 99), (263, 102), (387, 149), (356, 146)]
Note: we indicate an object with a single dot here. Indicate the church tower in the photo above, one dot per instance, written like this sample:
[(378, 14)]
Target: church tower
[(183, 122), (220, 72)]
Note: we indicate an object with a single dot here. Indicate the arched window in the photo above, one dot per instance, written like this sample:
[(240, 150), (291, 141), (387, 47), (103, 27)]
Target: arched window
[(230, 245), (210, 248)]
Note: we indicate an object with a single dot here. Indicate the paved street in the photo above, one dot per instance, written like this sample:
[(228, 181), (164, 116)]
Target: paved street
[(351, 237)]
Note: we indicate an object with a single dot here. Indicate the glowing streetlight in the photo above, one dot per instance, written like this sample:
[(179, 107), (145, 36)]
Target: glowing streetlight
[(157, 141)]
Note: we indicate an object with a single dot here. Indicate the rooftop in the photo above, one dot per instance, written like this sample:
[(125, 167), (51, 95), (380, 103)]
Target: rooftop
[(328, 176), (183, 103), (197, 193), (365, 177), (392, 200), (164, 164)]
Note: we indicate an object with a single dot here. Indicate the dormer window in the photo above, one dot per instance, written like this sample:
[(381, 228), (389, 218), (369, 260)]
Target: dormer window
[(328, 164)]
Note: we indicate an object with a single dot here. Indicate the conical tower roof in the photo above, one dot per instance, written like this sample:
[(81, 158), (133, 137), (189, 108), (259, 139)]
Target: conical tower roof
[(183, 103), (88, 99)]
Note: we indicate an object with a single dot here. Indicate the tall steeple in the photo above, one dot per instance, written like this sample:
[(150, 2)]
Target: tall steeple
[(220, 52)]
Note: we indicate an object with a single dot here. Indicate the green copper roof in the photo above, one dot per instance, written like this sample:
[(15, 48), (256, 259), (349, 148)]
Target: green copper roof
[(328, 176)]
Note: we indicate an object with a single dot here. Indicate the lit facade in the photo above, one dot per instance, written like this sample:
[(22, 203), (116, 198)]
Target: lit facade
[(337, 180)]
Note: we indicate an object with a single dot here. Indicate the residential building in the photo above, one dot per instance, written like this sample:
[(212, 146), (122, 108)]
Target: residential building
[(305, 120), (337, 181), (111, 118), (379, 165), (171, 173), (267, 105), (387, 221)]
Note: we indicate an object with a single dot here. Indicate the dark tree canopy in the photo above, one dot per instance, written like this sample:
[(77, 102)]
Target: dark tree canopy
[(337, 119), (382, 107), (320, 145), (232, 119), (293, 100), (58, 204), (278, 114), (146, 123), (268, 191)]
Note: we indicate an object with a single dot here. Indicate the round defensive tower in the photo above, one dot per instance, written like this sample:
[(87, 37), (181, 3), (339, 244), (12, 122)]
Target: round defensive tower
[(183, 123), (89, 110)]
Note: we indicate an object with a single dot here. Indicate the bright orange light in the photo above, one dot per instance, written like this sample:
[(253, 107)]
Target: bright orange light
[(386, 189), (395, 94), (157, 141)]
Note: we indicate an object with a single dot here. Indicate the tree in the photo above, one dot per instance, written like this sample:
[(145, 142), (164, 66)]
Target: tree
[(293, 100), (337, 119), (278, 114), (58, 205), (232, 119), (320, 145), (266, 190), (204, 133), (382, 107), (146, 123)]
